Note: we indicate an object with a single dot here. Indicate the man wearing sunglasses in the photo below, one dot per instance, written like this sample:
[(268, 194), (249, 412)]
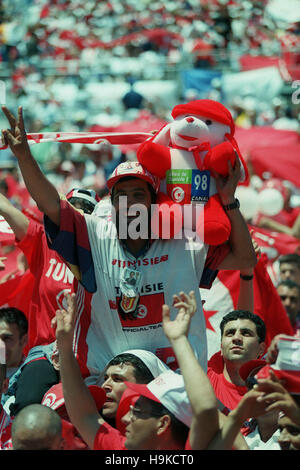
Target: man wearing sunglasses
[(161, 417)]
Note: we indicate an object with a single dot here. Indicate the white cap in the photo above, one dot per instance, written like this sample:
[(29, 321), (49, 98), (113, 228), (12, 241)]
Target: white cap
[(167, 389), (88, 195), (154, 364)]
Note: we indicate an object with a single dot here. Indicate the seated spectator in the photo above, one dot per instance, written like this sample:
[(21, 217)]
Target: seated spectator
[(37, 427), (242, 339), (289, 292)]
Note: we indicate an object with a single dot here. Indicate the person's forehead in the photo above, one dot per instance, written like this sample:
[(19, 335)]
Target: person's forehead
[(288, 291), (239, 324), (288, 265), (8, 328), (125, 369), (130, 185)]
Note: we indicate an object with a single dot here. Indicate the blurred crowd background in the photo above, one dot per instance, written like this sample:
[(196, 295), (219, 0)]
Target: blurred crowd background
[(122, 65)]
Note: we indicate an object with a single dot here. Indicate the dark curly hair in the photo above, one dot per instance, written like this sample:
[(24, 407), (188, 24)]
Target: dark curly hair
[(245, 315)]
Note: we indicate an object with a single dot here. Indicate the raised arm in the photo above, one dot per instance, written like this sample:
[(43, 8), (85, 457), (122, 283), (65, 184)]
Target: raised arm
[(294, 231), (205, 423), (17, 221), (40, 188), (246, 293), (274, 396), (248, 407), (242, 254), (80, 404)]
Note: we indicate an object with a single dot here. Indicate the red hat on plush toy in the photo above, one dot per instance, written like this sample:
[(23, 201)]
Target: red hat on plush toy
[(208, 108), (218, 112)]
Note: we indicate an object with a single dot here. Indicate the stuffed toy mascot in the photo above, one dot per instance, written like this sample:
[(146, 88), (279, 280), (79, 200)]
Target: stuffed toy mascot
[(186, 154)]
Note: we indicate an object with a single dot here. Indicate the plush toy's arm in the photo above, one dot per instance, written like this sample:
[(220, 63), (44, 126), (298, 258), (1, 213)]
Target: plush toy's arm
[(217, 160), (162, 136), (155, 157)]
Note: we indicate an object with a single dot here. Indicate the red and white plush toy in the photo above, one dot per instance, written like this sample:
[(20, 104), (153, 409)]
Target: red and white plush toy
[(185, 154)]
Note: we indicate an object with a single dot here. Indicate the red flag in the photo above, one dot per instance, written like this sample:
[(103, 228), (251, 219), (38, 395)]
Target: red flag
[(17, 292), (267, 303), (274, 244), (223, 297)]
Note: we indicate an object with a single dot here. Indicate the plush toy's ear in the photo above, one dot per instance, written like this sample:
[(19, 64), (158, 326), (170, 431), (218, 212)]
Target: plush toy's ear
[(162, 137)]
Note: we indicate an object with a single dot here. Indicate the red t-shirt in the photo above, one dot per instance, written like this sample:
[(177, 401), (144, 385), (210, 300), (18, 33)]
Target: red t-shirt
[(228, 393), (109, 438), (52, 279)]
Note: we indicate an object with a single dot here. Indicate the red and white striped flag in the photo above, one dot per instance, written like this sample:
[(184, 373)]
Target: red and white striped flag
[(115, 138), (17, 292)]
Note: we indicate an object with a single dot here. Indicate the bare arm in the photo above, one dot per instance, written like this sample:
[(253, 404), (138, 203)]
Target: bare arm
[(246, 294), (41, 190), (246, 297), (14, 217), (270, 224), (274, 396), (80, 404), (229, 434), (205, 423), (242, 254), (206, 430), (239, 442)]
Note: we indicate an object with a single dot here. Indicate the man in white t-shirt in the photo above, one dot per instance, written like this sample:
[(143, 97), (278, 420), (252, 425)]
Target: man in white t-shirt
[(113, 316)]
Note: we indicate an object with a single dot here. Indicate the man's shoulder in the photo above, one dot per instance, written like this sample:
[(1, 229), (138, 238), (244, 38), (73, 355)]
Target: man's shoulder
[(101, 228)]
